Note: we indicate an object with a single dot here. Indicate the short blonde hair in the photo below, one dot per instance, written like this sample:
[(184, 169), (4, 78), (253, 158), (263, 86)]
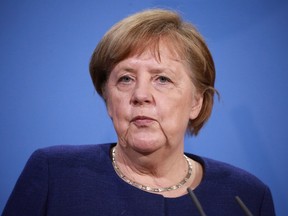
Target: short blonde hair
[(145, 29)]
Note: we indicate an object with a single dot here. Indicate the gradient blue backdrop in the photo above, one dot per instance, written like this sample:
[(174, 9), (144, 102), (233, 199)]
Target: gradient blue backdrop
[(47, 97)]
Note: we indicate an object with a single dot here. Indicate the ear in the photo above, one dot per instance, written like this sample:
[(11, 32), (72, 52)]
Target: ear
[(108, 110), (106, 101), (196, 106)]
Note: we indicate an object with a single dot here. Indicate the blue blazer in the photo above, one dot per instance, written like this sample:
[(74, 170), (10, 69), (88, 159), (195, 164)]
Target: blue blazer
[(80, 180)]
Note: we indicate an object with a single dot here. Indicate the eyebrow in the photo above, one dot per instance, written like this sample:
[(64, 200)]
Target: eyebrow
[(128, 69), (153, 70), (160, 70)]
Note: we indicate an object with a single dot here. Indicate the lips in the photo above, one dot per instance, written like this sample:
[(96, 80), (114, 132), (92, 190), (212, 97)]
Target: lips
[(142, 121)]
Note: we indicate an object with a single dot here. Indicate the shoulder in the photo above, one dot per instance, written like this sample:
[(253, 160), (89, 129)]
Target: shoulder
[(230, 172), (65, 161), (63, 156), (70, 151), (226, 175), (223, 182)]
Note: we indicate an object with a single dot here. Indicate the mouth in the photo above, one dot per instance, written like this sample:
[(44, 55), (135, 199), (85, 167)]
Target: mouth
[(142, 121)]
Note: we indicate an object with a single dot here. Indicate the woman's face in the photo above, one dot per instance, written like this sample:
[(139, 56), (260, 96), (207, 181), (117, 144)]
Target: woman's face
[(150, 102)]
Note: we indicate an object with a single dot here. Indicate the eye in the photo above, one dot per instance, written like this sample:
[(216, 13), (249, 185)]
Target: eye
[(164, 79), (125, 79)]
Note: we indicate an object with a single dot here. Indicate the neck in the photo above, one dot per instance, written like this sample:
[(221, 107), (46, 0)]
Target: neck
[(163, 175), (156, 164)]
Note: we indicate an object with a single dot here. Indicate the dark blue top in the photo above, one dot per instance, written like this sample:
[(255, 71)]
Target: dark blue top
[(80, 180)]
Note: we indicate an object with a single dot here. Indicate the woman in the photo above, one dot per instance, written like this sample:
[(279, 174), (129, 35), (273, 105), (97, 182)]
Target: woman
[(156, 76)]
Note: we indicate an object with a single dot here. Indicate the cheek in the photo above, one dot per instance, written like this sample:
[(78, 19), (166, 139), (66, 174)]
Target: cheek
[(118, 117), (113, 101), (175, 113), (117, 108)]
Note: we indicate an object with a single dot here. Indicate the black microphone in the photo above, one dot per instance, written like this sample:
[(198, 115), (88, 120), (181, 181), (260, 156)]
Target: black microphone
[(196, 202), (201, 211), (243, 206)]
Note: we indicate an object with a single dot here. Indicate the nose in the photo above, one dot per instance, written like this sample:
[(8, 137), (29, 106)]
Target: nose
[(142, 94)]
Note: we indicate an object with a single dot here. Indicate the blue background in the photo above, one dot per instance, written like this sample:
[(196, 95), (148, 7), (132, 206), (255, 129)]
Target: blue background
[(47, 97)]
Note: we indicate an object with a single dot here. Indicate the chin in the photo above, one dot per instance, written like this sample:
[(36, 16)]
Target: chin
[(146, 146)]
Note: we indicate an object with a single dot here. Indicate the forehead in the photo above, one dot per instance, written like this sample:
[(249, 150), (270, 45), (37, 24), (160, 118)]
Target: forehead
[(163, 48), (163, 58)]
